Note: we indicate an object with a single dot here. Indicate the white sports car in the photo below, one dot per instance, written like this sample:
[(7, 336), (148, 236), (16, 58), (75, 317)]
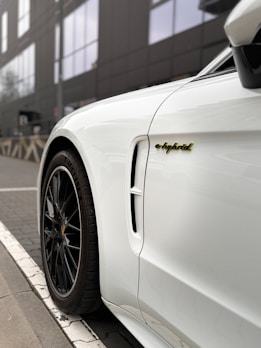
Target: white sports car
[(150, 203)]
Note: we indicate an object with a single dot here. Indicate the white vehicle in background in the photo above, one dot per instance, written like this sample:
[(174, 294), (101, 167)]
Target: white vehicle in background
[(150, 203)]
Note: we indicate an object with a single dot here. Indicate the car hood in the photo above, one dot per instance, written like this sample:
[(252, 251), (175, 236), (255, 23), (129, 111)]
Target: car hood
[(156, 95)]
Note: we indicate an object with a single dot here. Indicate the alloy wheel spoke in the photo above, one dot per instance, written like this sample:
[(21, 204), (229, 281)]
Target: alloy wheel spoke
[(71, 257), (49, 254), (65, 190), (73, 247), (66, 273), (50, 207), (52, 219), (49, 234), (67, 202), (72, 215), (50, 195), (56, 187), (68, 270), (61, 279), (75, 228), (61, 228), (51, 259)]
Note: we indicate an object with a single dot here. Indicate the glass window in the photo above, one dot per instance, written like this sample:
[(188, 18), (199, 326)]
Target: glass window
[(31, 60), (91, 53), (79, 62), (26, 71), (17, 78), (57, 40), (92, 9), (80, 52), (56, 53), (4, 40), (79, 16), (187, 15), (68, 35), (23, 16), (170, 17), (68, 67), (56, 72), (209, 16), (161, 21)]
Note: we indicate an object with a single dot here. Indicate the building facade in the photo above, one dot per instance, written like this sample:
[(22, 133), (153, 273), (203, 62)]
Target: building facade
[(74, 52)]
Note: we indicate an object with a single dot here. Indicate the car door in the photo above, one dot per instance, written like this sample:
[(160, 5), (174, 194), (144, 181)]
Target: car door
[(200, 281)]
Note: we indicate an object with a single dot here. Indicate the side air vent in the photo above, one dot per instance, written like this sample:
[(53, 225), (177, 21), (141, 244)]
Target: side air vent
[(133, 167), (132, 195), (138, 163)]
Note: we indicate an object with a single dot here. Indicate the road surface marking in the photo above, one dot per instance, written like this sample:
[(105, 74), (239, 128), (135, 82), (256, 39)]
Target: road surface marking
[(17, 189), (78, 332)]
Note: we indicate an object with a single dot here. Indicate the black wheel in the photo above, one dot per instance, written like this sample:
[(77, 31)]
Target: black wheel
[(69, 236)]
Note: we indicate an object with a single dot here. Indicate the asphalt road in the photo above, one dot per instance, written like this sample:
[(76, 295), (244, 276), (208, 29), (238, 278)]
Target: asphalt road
[(19, 213)]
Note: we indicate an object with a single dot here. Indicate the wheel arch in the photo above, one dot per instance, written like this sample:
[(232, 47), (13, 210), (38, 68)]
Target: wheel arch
[(57, 145)]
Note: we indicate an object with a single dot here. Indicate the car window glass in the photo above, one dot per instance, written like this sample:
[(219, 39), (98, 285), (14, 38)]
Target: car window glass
[(229, 64), (226, 67)]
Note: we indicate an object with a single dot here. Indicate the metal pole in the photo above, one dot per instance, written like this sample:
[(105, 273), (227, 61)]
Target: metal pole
[(60, 63)]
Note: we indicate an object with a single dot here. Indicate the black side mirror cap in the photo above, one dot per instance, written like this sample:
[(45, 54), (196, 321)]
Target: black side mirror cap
[(248, 63)]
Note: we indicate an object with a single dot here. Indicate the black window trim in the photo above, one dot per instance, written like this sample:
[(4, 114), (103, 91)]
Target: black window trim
[(215, 74)]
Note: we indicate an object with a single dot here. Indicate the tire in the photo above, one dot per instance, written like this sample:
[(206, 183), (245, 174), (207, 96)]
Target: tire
[(69, 242)]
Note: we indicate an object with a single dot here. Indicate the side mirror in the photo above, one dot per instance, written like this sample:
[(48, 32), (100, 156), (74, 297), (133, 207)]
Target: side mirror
[(243, 29)]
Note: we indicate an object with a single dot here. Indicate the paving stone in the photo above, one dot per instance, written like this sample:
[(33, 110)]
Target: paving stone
[(19, 213)]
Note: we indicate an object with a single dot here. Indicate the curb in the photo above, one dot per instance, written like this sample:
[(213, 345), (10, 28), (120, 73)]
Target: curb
[(77, 331)]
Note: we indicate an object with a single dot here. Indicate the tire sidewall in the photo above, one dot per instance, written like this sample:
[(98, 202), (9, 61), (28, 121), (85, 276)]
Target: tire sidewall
[(69, 161)]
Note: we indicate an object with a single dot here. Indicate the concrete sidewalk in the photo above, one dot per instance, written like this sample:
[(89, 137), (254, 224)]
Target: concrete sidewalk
[(24, 320)]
